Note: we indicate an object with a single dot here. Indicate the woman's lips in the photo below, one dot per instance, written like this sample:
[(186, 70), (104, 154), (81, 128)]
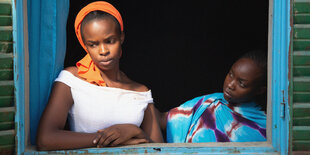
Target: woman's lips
[(227, 94), (105, 62)]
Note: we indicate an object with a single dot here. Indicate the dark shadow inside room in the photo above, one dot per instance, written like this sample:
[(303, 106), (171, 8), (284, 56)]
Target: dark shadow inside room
[(181, 49)]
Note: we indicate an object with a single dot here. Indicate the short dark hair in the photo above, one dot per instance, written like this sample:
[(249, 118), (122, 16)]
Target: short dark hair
[(259, 57), (95, 15)]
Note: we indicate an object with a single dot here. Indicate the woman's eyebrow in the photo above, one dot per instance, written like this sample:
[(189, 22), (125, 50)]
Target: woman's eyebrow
[(91, 41), (110, 37), (241, 79)]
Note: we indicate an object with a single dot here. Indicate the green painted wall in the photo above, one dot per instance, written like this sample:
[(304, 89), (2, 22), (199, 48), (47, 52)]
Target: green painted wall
[(7, 105), (301, 76)]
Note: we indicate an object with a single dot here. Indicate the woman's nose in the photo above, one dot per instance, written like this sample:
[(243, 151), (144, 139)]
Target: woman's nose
[(103, 51), (231, 85)]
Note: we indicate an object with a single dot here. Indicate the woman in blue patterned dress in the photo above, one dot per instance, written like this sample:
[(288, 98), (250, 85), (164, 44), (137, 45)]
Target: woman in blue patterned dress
[(238, 114)]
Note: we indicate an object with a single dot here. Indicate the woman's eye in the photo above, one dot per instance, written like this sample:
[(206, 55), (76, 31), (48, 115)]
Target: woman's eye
[(92, 45), (230, 74), (242, 84), (111, 41)]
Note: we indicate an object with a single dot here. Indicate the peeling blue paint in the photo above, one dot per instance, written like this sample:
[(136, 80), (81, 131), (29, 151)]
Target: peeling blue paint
[(280, 67), (19, 74), (164, 150)]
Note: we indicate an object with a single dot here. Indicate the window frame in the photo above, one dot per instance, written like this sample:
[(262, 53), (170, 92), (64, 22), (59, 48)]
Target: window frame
[(278, 117)]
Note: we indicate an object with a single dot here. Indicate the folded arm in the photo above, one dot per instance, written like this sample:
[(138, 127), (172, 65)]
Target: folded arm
[(51, 134)]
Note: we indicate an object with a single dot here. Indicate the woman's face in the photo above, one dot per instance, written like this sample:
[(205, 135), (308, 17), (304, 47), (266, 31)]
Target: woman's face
[(103, 43), (243, 81)]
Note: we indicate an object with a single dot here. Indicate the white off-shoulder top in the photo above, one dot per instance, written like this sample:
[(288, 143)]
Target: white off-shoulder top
[(97, 107)]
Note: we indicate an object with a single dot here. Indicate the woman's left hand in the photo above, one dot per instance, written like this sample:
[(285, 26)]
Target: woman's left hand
[(119, 134)]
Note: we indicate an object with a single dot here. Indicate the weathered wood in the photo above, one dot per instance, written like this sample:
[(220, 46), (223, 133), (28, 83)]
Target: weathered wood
[(301, 138), (5, 20), (301, 133), (301, 58), (302, 18), (301, 121), (7, 109), (301, 110), (7, 149), (301, 6), (300, 152), (6, 33), (301, 96), (302, 31), (6, 47), (301, 45), (301, 145), (7, 88), (7, 137), (301, 84), (6, 101), (5, 9), (7, 114), (301, 71), (6, 74), (6, 61), (7, 125)]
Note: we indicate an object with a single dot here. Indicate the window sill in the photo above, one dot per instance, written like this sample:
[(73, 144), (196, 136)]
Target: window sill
[(192, 148)]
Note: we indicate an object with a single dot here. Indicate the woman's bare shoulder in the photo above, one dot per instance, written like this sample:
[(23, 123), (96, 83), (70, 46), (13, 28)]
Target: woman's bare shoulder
[(73, 70), (133, 85), (139, 87)]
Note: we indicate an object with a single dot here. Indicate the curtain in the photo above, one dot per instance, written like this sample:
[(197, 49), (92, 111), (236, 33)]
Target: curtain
[(47, 47)]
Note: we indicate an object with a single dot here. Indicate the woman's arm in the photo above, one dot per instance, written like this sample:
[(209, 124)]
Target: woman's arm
[(162, 117), (151, 126), (51, 134)]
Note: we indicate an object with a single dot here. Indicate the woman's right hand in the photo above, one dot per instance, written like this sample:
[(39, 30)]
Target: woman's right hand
[(120, 134)]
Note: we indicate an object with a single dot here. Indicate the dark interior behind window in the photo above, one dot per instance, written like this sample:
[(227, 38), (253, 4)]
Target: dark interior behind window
[(181, 49)]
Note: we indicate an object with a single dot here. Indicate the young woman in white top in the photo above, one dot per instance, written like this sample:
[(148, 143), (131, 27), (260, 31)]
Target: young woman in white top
[(104, 107)]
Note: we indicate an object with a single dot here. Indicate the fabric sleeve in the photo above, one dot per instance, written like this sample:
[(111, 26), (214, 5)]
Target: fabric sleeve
[(65, 77), (149, 98)]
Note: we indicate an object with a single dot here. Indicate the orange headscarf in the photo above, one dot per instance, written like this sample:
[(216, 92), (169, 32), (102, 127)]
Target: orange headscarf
[(86, 67)]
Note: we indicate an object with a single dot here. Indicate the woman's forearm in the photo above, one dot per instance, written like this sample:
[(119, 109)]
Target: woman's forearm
[(62, 140), (150, 125)]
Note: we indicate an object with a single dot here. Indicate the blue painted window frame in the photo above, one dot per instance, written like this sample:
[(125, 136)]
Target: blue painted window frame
[(278, 110)]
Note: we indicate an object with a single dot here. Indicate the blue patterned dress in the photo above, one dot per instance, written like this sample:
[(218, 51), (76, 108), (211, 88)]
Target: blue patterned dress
[(211, 118)]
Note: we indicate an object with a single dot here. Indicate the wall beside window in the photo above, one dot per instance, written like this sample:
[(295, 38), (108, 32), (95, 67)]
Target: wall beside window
[(301, 76), (7, 104)]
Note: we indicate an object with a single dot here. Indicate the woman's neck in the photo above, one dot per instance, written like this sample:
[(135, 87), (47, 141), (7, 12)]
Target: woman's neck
[(111, 76)]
